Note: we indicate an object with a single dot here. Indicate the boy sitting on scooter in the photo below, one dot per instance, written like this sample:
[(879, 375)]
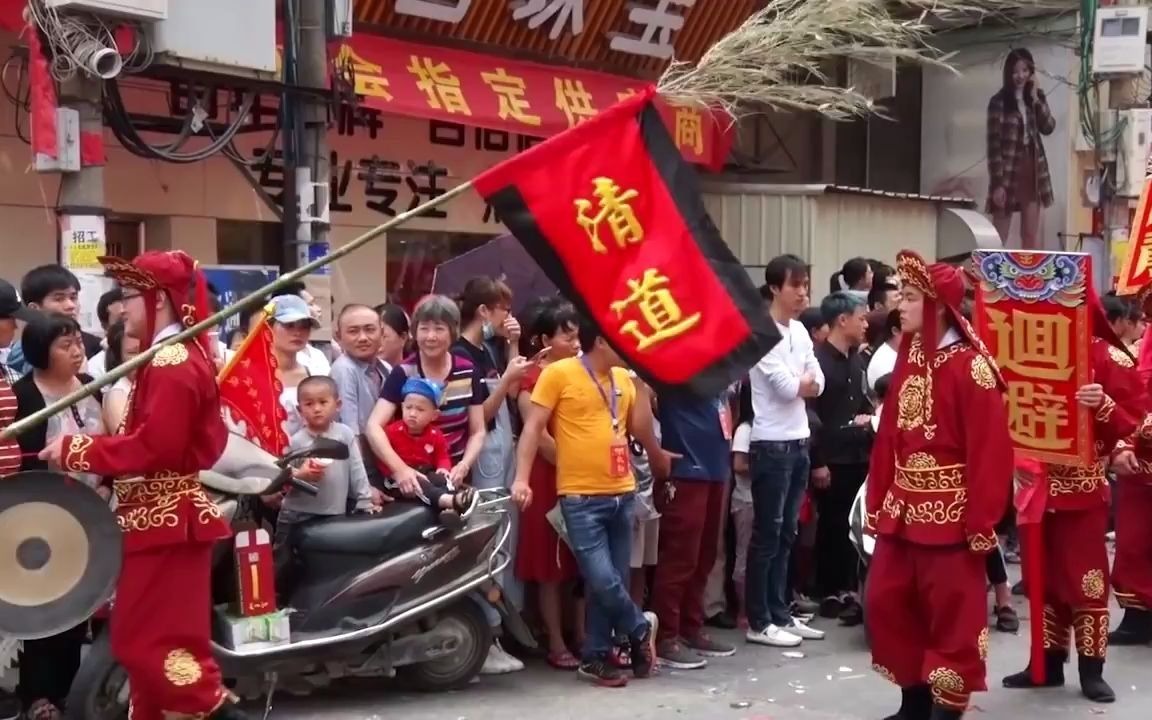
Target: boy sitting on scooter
[(424, 448), (339, 483)]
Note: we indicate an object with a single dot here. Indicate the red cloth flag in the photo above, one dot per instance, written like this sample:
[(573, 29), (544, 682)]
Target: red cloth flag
[(614, 216), (250, 391)]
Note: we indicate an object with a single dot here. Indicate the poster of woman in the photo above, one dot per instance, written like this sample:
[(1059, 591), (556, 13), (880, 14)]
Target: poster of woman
[(996, 130), (1019, 182)]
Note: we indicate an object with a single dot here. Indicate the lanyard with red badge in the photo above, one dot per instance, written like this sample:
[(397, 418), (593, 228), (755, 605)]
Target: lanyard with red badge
[(619, 464)]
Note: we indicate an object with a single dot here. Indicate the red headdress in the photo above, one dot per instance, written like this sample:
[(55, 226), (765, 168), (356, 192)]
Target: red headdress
[(173, 275), (943, 286)]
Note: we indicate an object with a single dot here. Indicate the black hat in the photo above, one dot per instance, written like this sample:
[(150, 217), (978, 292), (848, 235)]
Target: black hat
[(10, 305)]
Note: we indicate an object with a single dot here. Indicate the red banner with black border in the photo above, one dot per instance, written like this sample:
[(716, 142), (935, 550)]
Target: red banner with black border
[(613, 214)]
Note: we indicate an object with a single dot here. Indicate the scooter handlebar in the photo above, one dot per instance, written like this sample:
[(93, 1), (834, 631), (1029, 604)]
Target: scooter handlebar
[(303, 485)]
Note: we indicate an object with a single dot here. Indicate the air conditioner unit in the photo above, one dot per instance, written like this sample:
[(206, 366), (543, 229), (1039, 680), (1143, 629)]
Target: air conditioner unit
[(1132, 154), (1121, 33), (195, 36), (342, 18), (144, 10)]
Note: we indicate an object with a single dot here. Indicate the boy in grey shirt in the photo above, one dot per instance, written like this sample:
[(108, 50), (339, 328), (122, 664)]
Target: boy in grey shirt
[(341, 483)]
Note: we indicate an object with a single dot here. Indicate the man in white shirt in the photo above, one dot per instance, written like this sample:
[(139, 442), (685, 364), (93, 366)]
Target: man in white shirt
[(781, 382)]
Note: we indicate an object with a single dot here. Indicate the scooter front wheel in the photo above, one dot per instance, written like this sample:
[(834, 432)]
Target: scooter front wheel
[(100, 690), (465, 620)]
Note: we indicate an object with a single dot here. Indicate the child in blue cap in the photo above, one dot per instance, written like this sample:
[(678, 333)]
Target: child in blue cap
[(422, 447)]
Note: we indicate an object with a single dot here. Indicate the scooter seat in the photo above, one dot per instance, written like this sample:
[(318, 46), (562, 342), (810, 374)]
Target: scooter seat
[(398, 526)]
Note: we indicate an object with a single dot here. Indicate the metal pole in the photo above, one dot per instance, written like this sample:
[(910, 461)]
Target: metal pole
[(22, 426), (290, 138), (82, 192), (312, 121)]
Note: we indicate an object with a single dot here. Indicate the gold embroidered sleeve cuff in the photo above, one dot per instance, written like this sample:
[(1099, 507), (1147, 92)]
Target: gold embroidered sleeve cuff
[(982, 543), (1104, 413), (1144, 431), (1123, 446), (76, 453)]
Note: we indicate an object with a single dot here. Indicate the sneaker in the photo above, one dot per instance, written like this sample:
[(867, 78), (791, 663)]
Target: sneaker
[(804, 608), (704, 645), (678, 657), (9, 705), (1007, 621), (43, 710), (722, 620), (499, 662), (644, 648), (852, 615), (773, 636), (800, 629), (831, 606), (621, 657), (602, 673)]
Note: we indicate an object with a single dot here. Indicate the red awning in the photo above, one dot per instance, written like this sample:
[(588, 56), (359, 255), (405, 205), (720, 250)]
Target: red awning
[(494, 92)]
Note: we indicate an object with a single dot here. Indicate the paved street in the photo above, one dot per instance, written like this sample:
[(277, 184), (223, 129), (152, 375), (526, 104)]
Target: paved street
[(831, 682)]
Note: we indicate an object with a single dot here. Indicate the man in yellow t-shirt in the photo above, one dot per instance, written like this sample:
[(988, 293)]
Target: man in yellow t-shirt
[(589, 405)]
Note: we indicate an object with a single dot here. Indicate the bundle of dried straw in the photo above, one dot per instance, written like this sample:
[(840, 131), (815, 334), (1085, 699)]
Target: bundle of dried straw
[(781, 56)]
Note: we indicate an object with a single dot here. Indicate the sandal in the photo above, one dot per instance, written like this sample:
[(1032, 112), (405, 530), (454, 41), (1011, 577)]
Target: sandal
[(464, 502), (1007, 621), (563, 660)]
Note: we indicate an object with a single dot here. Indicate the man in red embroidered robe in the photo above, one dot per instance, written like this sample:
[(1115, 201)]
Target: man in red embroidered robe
[(161, 616), (1075, 522), (939, 481), (1132, 570)]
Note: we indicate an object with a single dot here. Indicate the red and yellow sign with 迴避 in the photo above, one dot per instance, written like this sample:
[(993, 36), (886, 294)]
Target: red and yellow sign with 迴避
[(1032, 313), (526, 98)]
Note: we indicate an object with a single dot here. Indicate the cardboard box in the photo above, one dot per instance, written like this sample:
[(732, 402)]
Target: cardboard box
[(254, 632), (256, 571)]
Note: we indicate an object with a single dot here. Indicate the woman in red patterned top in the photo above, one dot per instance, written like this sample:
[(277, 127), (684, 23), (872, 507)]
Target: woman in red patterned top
[(541, 557)]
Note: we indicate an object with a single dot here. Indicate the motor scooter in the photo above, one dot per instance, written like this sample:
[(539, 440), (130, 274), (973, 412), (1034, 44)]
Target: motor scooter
[(864, 543), (386, 594)]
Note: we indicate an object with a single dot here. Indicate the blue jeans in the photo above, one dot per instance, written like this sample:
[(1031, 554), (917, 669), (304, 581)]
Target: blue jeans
[(600, 533), (779, 477)]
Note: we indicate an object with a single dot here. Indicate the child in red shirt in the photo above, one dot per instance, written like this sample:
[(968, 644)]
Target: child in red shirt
[(424, 448)]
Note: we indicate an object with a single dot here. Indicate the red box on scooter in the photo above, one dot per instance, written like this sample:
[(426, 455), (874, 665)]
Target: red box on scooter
[(256, 572)]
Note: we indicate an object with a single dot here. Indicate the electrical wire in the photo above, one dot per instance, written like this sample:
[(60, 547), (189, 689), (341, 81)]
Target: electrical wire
[(76, 38), (21, 97), (119, 121)]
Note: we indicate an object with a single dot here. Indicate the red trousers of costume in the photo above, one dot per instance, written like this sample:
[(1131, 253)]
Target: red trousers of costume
[(927, 614), (161, 631), (690, 521), (1076, 580), (1132, 571)]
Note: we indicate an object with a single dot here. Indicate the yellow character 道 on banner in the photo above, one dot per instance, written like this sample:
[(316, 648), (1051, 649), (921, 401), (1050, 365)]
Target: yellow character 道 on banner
[(1036, 347), (615, 210), (661, 312)]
